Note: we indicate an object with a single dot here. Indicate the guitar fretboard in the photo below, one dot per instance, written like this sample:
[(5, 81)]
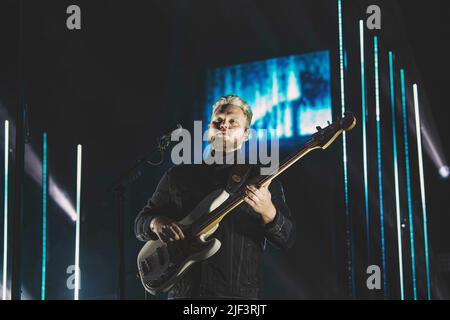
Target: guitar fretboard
[(208, 221)]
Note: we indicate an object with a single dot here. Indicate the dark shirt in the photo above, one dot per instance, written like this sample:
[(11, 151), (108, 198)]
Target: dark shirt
[(235, 270)]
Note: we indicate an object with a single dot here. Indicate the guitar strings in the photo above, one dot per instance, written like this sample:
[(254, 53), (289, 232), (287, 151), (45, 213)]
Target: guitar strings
[(217, 213)]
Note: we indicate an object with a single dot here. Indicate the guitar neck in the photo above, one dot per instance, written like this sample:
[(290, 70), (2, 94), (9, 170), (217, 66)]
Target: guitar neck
[(207, 222)]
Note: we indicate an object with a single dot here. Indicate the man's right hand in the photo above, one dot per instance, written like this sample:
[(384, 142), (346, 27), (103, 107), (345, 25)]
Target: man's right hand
[(167, 229)]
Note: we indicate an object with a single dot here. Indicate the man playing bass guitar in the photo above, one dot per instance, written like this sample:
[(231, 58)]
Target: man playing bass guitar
[(234, 272)]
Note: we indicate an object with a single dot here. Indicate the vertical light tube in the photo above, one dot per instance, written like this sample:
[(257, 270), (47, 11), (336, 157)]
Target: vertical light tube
[(5, 213), (408, 184), (344, 146), (364, 130), (77, 240), (380, 171), (44, 216), (397, 192), (422, 188)]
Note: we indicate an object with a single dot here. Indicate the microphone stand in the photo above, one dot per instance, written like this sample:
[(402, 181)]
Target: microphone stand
[(119, 188)]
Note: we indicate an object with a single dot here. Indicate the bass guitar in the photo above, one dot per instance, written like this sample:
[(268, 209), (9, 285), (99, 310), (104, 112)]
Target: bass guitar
[(162, 264)]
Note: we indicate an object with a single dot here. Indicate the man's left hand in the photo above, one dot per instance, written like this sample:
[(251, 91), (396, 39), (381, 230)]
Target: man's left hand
[(260, 200)]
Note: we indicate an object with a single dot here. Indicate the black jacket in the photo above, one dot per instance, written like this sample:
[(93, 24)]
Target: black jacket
[(235, 270)]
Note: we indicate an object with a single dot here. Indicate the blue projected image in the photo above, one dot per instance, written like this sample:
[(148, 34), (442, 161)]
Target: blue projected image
[(289, 96)]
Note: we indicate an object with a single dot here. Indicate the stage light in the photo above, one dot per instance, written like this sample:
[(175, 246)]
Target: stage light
[(24, 294), (408, 184), (44, 216), (422, 187), (5, 213), (349, 232), (33, 166), (444, 171), (291, 95), (78, 222), (379, 161), (62, 199), (397, 193), (364, 131)]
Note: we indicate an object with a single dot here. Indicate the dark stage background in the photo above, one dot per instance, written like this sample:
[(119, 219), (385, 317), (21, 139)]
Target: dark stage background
[(137, 68)]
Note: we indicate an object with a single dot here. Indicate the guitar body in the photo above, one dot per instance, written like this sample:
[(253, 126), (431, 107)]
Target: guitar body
[(162, 264)]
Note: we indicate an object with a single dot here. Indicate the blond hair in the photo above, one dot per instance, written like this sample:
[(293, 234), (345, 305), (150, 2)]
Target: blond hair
[(235, 100)]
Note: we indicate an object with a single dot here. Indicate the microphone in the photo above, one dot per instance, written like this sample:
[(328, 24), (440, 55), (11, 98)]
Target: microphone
[(165, 140)]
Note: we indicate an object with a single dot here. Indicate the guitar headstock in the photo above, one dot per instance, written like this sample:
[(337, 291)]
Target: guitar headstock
[(325, 136)]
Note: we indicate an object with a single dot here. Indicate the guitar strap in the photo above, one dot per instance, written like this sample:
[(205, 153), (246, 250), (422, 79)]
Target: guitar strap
[(238, 175)]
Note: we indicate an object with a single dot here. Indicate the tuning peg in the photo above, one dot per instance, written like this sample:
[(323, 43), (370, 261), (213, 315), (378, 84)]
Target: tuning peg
[(328, 122), (319, 128)]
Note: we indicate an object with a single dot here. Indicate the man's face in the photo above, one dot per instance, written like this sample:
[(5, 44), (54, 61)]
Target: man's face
[(228, 128)]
